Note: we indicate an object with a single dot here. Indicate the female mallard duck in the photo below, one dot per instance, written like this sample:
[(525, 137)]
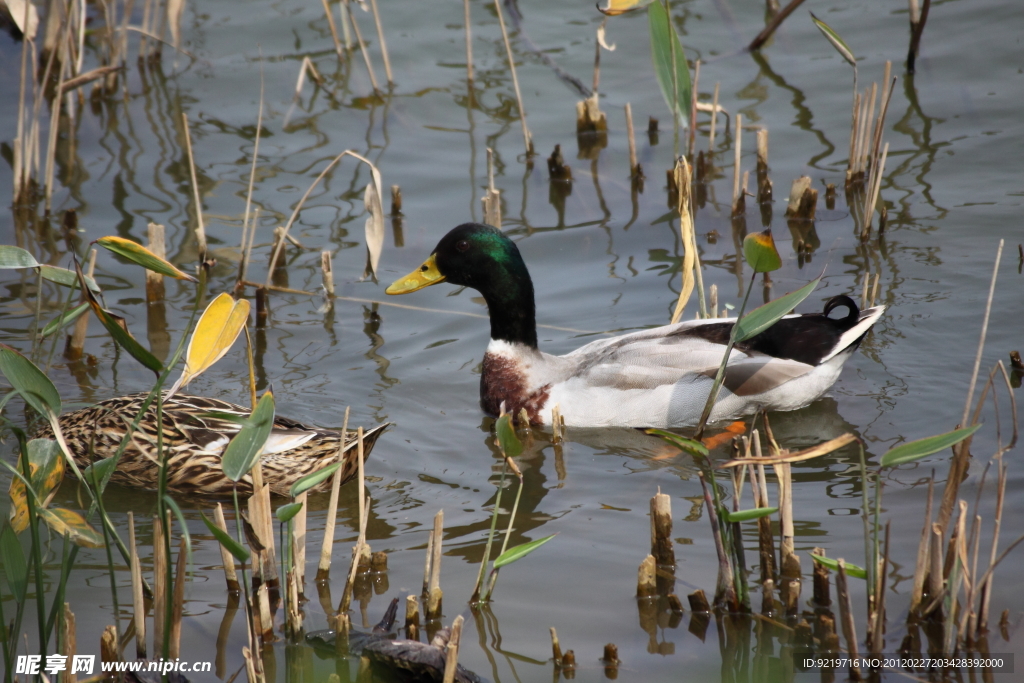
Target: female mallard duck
[(195, 431), (659, 377)]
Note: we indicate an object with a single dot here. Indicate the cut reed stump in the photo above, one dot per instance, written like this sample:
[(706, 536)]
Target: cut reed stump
[(661, 530), (646, 585), (556, 648), (139, 605), (109, 650), (434, 596), (764, 183), (611, 661), (821, 586), (68, 643), (846, 618), (412, 618), (803, 200), (155, 281)]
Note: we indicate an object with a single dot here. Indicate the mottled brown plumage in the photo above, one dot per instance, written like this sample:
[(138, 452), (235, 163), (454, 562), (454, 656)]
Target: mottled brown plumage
[(196, 430)]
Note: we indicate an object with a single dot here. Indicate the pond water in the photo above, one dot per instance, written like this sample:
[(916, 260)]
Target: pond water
[(603, 261)]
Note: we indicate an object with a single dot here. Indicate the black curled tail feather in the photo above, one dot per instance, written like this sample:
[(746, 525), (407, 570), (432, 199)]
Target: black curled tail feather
[(841, 300)]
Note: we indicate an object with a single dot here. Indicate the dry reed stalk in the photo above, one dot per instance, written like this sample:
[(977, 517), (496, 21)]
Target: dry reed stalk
[(75, 343), (693, 108), (298, 207), (293, 616), (434, 596), (250, 667), (923, 552), (492, 200), (887, 87), (178, 603), (986, 582), (776, 21), (961, 452), (362, 49), (738, 142), (858, 154), (820, 582), (557, 425), (324, 568), (682, 177), (713, 300), (698, 602), (333, 28), (69, 643), (935, 578), (451, 660), (877, 620), (159, 584), (299, 544), (803, 199), (469, 44), (527, 138), (725, 590), (854, 127), (51, 142), (917, 22), (346, 596), (661, 530), (138, 601), (157, 245), (646, 585), (969, 615), (764, 183), (425, 591), (327, 273), (871, 197), (714, 120), (846, 618), (266, 624), (412, 618), (869, 125), (109, 650), (396, 200), (200, 228), (228, 561), (364, 502), (783, 472), (556, 648), (635, 171), (383, 43)]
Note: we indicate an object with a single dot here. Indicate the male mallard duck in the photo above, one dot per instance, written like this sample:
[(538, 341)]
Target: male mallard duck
[(196, 432), (659, 377)]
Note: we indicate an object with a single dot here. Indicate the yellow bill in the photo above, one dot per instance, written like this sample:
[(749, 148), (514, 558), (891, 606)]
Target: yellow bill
[(424, 276)]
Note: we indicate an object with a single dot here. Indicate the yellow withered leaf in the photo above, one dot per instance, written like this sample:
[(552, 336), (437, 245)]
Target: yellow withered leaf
[(46, 469), (136, 253), (617, 7), (74, 525), (219, 326)]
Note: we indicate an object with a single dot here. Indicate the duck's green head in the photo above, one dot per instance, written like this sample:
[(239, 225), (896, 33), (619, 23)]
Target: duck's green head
[(482, 257), (473, 255)]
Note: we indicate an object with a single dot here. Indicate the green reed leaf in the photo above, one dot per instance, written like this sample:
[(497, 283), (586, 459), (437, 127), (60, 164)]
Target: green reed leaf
[(915, 450)]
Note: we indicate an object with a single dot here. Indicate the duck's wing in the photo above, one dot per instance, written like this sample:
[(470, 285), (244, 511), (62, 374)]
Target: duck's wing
[(209, 424), (646, 362)]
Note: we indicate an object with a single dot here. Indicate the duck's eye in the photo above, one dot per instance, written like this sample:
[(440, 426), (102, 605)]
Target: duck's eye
[(462, 245)]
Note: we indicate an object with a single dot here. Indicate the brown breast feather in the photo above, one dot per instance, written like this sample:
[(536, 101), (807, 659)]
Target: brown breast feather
[(504, 380)]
